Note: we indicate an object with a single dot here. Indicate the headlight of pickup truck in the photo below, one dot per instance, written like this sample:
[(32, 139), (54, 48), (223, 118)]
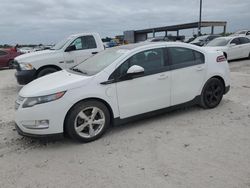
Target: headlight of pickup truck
[(24, 66), (32, 101)]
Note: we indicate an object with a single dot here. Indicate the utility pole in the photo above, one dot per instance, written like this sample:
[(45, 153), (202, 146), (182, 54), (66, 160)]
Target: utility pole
[(199, 24)]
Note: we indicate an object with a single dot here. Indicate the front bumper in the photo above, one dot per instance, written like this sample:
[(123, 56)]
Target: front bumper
[(25, 76), (54, 136)]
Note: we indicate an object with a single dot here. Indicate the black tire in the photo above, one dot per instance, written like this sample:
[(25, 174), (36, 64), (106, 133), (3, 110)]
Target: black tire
[(249, 56), (74, 121), (10, 64), (225, 55), (46, 71), (212, 93)]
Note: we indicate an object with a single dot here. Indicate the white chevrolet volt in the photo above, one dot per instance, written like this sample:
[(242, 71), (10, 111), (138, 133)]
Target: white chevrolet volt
[(119, 85)]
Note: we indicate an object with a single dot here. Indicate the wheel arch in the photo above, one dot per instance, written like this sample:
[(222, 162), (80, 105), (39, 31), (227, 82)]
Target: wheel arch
[(48, 66), (219, 78), (94, 99), (225, 54)]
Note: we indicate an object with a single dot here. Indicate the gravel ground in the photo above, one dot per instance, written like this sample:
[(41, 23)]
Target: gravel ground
[(189, 148)]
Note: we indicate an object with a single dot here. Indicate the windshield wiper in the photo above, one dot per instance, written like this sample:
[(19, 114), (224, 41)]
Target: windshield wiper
[(78, 70)]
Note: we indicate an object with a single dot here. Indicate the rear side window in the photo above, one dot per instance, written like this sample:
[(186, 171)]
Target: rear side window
[(2, 53), (244, 40), (184, 57)]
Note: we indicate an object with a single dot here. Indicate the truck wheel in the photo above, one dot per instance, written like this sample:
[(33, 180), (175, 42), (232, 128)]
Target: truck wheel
[(46, 71), (87, 121)]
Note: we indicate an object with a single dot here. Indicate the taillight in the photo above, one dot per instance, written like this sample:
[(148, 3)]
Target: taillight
[(221, 58)]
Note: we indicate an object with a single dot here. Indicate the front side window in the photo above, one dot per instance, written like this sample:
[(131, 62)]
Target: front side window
[(235, 41), (84, 42), (184, 57), (151, 60), (2, 53)]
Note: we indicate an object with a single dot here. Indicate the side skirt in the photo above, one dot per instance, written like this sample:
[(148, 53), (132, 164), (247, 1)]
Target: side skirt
[(195, 101)]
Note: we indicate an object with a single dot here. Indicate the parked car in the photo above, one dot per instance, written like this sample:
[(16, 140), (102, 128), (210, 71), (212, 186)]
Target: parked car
[(245, 33), (25, 50), (111, 44), (7, 56), (158, 39), (233, 47), (121, 84), (203, 40), (65, 54)]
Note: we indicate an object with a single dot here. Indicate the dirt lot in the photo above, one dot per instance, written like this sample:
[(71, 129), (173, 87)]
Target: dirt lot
[(191, 147)]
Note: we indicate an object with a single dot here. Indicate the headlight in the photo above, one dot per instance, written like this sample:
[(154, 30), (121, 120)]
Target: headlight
[(24, 66), (32, 101)]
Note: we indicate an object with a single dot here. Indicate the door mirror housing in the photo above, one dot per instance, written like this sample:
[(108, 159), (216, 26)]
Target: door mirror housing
[(232, 44), (135, 70), (70, 48)]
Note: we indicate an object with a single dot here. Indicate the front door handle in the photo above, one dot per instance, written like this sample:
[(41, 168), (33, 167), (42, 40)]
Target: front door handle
[(163, 77)]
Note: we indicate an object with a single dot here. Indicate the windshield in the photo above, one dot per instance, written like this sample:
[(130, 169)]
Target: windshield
[(219, 42), (61, 44), (198, 39), (100, 61)]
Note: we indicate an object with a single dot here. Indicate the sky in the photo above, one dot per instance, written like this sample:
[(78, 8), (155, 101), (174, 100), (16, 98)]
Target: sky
[(48, 21)]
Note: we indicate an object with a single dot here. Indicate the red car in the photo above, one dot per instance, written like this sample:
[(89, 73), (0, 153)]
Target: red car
[(7, 56)]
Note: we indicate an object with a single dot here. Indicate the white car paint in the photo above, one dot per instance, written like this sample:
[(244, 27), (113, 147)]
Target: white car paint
[(59, 57), (126, 98), (232, 51)]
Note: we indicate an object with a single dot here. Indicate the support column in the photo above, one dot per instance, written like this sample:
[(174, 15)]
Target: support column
[(224, 29), (153, 33), (177, 33), (166, 33), (212, 30)]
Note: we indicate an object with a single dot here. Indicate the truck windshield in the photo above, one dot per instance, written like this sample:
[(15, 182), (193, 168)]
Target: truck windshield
[(98, 62), (61, 44)]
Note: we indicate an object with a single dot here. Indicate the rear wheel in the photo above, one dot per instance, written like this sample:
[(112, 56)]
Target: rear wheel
[(212, 93), (87, 121), (46, 71)]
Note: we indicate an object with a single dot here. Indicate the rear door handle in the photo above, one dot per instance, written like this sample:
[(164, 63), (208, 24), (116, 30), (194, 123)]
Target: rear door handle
[(94, 52), (163, 77)]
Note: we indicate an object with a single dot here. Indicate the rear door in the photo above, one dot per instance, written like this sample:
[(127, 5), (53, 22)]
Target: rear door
[(235, 52), (245, 46), (187, 74), (85, 47)]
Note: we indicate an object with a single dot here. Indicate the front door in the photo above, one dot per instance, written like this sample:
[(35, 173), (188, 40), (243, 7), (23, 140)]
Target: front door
[(85, 47), (148, 92), (235, 52)]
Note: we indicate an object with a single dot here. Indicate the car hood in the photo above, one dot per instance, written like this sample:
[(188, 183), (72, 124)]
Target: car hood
[(53, 83), (33, 56)]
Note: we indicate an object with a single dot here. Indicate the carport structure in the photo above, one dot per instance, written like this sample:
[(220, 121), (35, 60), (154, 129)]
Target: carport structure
[(133, 36)]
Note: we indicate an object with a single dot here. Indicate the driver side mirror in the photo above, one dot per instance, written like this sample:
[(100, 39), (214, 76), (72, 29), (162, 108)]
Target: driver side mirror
[(232, 44), (135, 70), (70, 48)]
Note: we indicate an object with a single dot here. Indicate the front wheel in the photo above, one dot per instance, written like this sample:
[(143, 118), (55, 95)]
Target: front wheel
[(212, 93), (46, 71), (87, 121)]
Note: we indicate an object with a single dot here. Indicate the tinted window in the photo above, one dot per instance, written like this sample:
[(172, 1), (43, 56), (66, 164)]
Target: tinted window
[(235, 41), (151, 60), (184, 57), (85, 42), (88, 42), (2, 53), (244, 40)]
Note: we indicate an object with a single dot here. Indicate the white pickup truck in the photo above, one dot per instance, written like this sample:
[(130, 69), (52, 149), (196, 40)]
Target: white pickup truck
[(65, 54)]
